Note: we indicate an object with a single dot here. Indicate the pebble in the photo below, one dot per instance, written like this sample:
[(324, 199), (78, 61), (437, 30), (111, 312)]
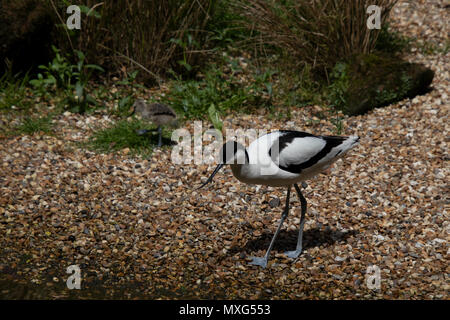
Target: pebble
[(275, 202)]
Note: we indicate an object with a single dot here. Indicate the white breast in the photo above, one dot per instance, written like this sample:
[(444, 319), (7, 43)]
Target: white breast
[(261, 168)]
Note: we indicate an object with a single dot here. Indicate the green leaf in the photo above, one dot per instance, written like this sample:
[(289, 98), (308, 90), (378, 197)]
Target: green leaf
[(124, 102), (133, 74), (79, 89), (91, 100), (185, 64), (215, 118), (86, 10), (80, 55), (95, 67), (269, 88)]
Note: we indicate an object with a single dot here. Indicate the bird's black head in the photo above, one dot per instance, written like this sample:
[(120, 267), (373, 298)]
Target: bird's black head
[(232, 153)]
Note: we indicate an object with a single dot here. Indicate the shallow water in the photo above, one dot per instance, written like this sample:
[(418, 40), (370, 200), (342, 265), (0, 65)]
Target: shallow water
[(20, 289)]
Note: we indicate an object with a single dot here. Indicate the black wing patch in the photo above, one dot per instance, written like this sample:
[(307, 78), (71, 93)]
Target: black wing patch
[(284, 140), (287, 137)]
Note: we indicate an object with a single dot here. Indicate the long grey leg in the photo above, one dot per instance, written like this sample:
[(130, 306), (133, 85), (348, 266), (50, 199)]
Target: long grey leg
[(294, 254), (263, 261), (159, 136)]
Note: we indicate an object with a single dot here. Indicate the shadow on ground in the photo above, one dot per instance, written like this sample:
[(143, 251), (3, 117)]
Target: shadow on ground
[(287, 240), (152, 137)]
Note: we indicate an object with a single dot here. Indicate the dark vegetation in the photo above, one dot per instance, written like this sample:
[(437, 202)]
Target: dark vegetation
[(316, 33), (220, 55), (25, 35), (367, 81)]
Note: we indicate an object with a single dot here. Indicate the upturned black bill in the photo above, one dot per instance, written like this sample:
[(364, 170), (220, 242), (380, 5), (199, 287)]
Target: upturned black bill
[(210, 179)]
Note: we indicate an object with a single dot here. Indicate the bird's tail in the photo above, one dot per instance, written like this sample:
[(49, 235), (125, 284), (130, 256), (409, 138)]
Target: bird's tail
[(341, 144), (348, 143), (353, 140)]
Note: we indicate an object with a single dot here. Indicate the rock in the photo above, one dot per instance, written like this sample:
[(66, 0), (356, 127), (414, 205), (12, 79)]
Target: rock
[(368, 213), (275, 202)]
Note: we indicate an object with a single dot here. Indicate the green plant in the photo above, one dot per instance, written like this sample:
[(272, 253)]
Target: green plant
[(130, 80), (338, 124), (215, 118), (71, 79), (221, 86), (226, 28), (391, 41), (185, 45), (31, 125), (338, 89), (263, 84), (122, 135), (368, 81), (137, 34), (58, 74), (82, 74), (389, 95), (297, 88), (124, 94), (193, 98), (13, 92), (337, 95)]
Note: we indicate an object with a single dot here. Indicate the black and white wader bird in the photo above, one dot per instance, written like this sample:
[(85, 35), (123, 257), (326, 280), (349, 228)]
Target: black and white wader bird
[(283, 159)]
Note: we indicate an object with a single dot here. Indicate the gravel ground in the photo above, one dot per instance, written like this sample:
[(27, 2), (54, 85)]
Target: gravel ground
[(137, 229)]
